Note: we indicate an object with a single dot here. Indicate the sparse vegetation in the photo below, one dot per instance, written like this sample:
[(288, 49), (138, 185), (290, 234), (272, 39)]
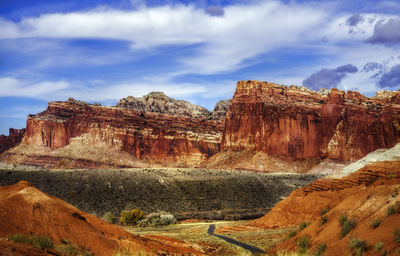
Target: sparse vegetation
[(323, 220), (375, 223), (357, 246), (109, 217), (20, 238), (304, 225), (303, 243), (156, 219), (131, 216), (396, 234), (232, 217), (390, 210), (379, 246), (66, 249), (39, 242), (325, 211), (320, 250), (346, 224), (292, 234)]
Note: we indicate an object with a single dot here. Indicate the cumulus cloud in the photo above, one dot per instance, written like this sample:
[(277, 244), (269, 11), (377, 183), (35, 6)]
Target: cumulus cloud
[(354, 19), (391, 78), (328, 78), (223, 43), (386, 33), (372, 66)]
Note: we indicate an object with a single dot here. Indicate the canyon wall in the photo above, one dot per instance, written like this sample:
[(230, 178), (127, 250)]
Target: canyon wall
[(151, 136), (15, 136), (297, 123)]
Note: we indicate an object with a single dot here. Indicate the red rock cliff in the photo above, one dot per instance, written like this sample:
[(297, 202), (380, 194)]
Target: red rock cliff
[(14, 137), (298, 123), (146, 135)]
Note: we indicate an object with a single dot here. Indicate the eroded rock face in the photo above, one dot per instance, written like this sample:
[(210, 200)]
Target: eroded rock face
[(15, 136), (146, 135), (220, 109), (298, 123)]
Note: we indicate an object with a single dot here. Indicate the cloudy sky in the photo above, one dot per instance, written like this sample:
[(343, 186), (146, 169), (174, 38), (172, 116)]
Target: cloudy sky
[(101, 51)]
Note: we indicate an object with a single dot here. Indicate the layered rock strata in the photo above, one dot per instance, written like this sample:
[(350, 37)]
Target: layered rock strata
[(146, 135), (15, 136), (297, 123)]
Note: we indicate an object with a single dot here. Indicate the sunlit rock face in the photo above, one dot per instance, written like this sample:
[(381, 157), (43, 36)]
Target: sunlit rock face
[(14, 137), (298, 123), (155, 131)]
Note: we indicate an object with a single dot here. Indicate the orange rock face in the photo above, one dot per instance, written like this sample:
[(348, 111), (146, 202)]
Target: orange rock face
[(14, 137), (297, 123), (146, 135)]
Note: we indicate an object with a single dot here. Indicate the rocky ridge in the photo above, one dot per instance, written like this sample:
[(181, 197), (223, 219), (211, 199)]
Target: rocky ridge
[(15, 136), (297, 123)]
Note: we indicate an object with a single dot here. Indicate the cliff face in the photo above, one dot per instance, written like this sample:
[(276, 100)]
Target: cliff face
[(14, 137), (146, 135), (297, 123)]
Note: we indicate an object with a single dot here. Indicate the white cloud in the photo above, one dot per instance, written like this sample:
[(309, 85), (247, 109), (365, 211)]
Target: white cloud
[(224, 41)]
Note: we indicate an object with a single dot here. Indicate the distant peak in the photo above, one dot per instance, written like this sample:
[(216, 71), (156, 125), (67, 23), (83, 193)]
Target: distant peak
[(156, 95)]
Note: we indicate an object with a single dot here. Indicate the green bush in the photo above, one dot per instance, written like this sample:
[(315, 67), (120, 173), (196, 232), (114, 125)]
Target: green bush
[(156, 219), (20, 238), (292, 234), (375, 223), (320, 250), (66, 249), (131, 216), (303, 243), (396, 234), (109, 217), (304, 225), (41, 242), (323, 220), (325, 211), (390, 210), (357, 246), (379, 246), (346, 224)]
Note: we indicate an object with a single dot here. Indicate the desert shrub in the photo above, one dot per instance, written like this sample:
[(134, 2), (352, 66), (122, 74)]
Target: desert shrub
[(131, 216), (304, 225), (346, 225), (232, 216), (41, 242), (292, 234), (156, 219), (390, 210), (109, 217), (64, 241), (20, 238), (357, 246), (66, 249), (396, 234), (320, 250), (379, 246), (375, 223), (303, 243), (325, 211), (323, 220)]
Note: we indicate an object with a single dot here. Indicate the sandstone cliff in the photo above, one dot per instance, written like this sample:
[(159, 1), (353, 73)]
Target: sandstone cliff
[(14, 137), (297, 123), (181, 139)]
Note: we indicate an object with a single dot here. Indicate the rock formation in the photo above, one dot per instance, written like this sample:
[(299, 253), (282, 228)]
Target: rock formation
[(26, 210), (172, 135), (297, 123), (14, 137)]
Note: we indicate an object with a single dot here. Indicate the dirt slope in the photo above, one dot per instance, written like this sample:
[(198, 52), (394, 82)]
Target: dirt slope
[(25, 209), (363, 196)]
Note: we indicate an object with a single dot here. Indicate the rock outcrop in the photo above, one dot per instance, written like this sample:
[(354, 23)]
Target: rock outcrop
[(15, 136), (297, 123), (185, 138)]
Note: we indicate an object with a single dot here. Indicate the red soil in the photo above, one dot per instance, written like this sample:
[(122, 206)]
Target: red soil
[(25, 209)]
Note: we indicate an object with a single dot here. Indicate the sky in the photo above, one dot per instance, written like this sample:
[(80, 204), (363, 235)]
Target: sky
[(102, 51)]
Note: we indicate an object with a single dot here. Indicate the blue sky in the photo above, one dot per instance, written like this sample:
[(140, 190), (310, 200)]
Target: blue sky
[(101, 51)]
